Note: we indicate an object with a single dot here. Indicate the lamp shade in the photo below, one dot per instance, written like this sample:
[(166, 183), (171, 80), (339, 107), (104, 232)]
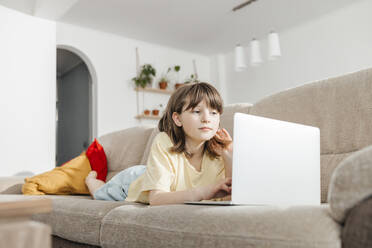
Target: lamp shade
[(274, 46), (255, 53), (240, 63)]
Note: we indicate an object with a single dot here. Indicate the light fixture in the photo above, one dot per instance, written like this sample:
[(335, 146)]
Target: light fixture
[(243, 5), (274, 46), (240, 63), (274, 51), (255, 53)]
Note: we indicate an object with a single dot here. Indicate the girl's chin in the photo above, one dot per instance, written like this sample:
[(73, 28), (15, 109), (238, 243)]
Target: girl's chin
[(207, 137), (203, 136)]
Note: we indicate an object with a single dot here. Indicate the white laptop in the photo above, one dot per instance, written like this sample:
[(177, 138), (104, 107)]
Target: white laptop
[(274, 163)]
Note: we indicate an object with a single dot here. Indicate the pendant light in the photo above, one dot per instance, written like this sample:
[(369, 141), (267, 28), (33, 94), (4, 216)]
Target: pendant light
[(274, 51), (240, 63), (255, 53), (274, 46)]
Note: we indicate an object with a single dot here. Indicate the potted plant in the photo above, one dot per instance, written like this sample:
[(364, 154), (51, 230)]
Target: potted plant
[(155, 112), (177, 68), (192, 79), (146, 112), (145, 76), (163, 82)]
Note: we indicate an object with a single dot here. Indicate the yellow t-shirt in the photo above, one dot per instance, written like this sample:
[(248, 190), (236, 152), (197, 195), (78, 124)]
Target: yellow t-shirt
[(171, 172)]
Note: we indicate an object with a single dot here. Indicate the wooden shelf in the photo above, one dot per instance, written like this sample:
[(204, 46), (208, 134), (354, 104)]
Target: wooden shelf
[(150, 117), (150, 90), (154, 90)]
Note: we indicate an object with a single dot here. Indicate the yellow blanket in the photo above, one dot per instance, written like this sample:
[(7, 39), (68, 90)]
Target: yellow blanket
[(63, 180)]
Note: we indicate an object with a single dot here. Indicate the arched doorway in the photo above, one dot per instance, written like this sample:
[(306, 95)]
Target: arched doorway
[(75, 109)]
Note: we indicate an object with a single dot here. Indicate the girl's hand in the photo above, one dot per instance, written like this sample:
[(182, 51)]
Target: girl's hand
[(218, 190), (223, 136)]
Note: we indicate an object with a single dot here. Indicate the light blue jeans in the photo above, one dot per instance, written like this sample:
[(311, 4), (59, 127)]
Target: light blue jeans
[(117, 188)]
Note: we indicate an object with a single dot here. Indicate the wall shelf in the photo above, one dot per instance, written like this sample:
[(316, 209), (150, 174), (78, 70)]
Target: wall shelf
[(149, 117), (140, 116)]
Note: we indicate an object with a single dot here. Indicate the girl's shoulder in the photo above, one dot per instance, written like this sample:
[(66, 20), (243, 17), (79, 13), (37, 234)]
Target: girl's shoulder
[(163, 140)]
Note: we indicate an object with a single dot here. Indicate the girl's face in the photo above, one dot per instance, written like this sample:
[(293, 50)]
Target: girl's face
[(199, 124)]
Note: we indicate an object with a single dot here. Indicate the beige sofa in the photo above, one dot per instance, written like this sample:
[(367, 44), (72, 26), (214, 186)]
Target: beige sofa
[(341, 107)]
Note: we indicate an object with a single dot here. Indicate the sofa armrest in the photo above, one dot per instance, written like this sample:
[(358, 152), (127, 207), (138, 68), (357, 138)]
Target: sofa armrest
[(11, 185), (358, 226), (350, 183)]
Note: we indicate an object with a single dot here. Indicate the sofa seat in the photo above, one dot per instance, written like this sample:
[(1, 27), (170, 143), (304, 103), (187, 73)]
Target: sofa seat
[(220, 226), (76, 218)]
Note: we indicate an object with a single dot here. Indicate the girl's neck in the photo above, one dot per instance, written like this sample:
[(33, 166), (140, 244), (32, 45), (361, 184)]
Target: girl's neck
[(195, 149)]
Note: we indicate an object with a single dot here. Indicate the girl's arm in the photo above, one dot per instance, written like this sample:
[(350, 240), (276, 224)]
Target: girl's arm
[(227, 159), (220, 189), (158, 197), (226, 152)]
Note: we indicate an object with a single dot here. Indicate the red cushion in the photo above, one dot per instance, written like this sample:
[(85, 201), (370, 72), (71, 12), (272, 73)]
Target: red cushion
[(97, 159)]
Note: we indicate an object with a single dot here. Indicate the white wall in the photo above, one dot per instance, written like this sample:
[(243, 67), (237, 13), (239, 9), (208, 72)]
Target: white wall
[(332, 45), (218, 75), (28, 83), (113, 59), (27, 93)]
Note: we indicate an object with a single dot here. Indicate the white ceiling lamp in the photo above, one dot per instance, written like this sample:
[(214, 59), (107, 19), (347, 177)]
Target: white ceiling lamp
[(240, 63), (255, 53), (274, 51), (274, 46)]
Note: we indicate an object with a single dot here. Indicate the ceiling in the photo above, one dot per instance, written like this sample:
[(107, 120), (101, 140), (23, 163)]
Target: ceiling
[(202, 26)]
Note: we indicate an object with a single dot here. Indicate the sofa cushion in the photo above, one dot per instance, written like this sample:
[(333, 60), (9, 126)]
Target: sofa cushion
[(11, 184), (357, 232), (328, 163), (350, 183), (76, 218), (58, 242), (146, 153), (14, 189), (97, 159), (125, 148), (219, 226), (227, 117), (62, 180), (340, 107)]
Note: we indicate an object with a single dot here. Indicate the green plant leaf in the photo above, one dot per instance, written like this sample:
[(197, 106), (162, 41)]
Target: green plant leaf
[(145, 76)]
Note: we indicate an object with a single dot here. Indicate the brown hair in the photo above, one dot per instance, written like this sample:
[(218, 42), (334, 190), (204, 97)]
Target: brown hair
[(191, 94)]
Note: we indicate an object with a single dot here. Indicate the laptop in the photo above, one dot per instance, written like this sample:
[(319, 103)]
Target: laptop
[(274, 163)]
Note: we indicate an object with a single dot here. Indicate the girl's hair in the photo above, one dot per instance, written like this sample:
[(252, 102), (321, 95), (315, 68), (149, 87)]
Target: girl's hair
[(191, 94)]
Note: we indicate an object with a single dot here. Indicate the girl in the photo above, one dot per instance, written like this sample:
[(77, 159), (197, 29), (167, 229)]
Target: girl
[(190, 159)]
